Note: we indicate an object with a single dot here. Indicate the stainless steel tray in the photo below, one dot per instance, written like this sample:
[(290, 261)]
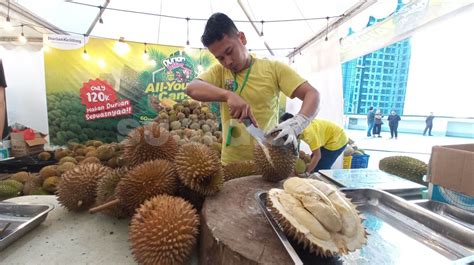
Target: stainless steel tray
[(399, 233), (449, 211), (20, 218)]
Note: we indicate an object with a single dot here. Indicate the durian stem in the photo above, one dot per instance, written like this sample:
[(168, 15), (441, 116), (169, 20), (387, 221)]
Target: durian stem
[(103, 206)]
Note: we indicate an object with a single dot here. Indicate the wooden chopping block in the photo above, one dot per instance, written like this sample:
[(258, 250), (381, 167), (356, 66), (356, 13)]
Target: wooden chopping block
[(234, 229)]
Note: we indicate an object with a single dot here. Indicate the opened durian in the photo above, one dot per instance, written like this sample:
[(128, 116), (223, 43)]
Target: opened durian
[(239, 169), (106, 191), (318, 216), (77, 188), (141, 183), (199, 168), (274, 162), (163, 231), (149, 142)]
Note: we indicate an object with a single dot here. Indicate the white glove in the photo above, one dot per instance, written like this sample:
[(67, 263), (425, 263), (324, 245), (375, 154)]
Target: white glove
[(290, 129)]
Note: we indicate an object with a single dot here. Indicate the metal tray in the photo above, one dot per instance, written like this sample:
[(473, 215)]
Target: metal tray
[(399, 233), (451, 212), (20, 218)]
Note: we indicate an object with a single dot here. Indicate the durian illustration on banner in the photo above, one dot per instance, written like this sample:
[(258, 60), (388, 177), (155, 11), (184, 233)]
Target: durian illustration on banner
[(117, 86)]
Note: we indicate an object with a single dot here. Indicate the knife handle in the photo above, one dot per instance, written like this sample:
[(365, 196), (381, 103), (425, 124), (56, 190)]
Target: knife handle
[(247, 122)]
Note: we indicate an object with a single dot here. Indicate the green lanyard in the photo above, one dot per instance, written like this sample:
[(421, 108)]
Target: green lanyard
[(234, 89), (236, 84)]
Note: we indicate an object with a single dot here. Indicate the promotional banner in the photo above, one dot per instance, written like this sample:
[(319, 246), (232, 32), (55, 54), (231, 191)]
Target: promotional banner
[(100, 88)]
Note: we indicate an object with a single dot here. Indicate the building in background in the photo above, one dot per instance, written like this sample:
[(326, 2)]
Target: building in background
[(377, 79)]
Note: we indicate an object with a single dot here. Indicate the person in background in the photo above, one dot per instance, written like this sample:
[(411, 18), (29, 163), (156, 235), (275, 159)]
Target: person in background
[(429, 124), (370, 121), (377, 123), (326, 139), (393, 120), (3, 110), (249, 87)]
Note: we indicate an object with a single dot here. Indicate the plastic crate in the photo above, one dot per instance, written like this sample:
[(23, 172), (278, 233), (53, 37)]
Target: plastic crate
[(360, 161)]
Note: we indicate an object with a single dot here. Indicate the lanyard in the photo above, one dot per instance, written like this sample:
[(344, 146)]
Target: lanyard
[(236, 85)]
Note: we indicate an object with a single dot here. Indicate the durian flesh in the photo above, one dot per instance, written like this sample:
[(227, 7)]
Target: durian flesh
[(317, 215)]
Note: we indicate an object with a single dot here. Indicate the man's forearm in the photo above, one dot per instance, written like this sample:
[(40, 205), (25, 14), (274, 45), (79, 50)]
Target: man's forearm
[(310, 97), (205, 92)]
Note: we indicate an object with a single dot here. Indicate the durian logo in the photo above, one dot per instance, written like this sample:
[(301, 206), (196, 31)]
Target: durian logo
[(171, 79)]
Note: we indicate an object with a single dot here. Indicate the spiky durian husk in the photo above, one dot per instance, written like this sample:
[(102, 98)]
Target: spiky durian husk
[(281, 165), (21, 176), (145, 181), (48, 171), (405, 167), (106, 191), (163, 231), (337, 243), (239, 169), (149, 142), (51, 184), (77, 188), (199, 168), (105, 152)]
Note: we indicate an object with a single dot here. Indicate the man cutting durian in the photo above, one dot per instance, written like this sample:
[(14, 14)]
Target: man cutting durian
[(249, 87)]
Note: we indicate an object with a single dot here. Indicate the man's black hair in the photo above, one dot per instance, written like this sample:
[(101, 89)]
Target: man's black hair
[(285, 117), (217, 26), (371, 108)]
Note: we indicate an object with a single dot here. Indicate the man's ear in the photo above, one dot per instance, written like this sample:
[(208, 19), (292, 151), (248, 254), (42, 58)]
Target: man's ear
[(242, 38)]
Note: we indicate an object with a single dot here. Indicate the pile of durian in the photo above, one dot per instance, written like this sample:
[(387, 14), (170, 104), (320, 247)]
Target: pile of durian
[(191, 121), (318, 216), (161, 187)]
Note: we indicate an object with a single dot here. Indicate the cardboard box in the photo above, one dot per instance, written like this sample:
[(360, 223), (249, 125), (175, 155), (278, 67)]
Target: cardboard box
[(452, 167), (22, 147)]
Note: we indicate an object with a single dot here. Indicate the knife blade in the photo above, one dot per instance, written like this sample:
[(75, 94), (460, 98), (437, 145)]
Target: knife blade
[(259, 136)]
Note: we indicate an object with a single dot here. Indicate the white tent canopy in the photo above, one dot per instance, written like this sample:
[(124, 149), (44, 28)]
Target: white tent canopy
[(140, 20)]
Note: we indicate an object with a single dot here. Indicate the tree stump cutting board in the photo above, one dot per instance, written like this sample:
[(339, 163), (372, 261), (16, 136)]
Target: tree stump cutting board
[(234, 229)]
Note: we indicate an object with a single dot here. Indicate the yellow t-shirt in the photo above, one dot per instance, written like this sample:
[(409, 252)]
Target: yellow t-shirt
[(266, 80), (324, 133)]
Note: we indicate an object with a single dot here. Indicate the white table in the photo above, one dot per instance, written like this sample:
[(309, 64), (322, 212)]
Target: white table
[(70, 238)]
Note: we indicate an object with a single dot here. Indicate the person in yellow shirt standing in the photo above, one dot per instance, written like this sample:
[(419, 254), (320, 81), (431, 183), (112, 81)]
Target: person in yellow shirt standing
[(248, 87), (326, 139)]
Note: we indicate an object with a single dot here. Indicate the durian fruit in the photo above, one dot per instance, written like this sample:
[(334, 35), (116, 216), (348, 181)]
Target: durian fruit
[(239, 169), (141, 183), (67, 159), (148, 142), (51, 184), (199, 168), (33, 184), (48, 171), (163, 231), (77, 188), (44, 156), (39, 191), (21, 176), (91, 160), (105, 152), (318, 216), (9, 189), (274, 162), (405, 167), (60, 153), (106, 191), (66, 166)]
